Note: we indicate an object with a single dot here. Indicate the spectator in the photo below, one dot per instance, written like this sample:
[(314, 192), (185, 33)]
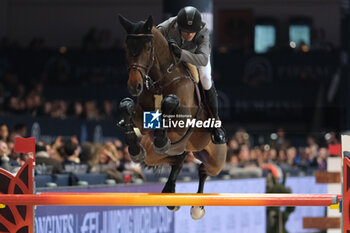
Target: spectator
[(272, 155), (233, 146), (44, 163), (13, 105), (244, 156), (46, 109), (86, 155), (59, 109), (91, 110), (53, 152), (4, 132), (304, 161), (21, 158), (280, 142), (313, 152), (321, 160), (119, 145), (242, 137), (107, 110), (232, 159), (70, 153), (77, 110), (281, 158), (106, 161), (291, 156), (287, 159), (255, 157), (4, 155), (20, 130)]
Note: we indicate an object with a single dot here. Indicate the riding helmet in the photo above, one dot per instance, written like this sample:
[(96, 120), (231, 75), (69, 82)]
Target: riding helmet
[(189, 19)]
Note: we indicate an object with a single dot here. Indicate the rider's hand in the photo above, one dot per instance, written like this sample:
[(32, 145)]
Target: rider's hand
[(175, 48)]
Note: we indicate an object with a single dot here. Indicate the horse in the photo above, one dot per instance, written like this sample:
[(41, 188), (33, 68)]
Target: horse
[(154, 73)]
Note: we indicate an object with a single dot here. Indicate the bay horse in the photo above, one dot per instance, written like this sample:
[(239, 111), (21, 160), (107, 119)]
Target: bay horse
[(154, 72)]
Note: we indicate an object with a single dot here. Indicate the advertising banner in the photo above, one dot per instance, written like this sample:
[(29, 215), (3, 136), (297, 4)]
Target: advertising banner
[(124, 219)]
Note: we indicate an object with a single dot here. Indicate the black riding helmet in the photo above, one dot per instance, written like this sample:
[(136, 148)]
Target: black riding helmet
[(189, 19)]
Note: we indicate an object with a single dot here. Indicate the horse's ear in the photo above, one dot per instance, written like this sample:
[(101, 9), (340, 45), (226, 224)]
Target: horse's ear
[(149, 23), (127, 25)]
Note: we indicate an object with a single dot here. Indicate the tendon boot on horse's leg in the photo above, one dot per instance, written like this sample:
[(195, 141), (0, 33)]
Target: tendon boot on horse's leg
[(169, 187), (161, 142), (127, 109), (218, 134), (197, 212)]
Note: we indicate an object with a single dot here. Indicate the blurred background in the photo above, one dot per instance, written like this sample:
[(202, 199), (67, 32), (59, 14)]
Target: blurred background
[(280, 67)]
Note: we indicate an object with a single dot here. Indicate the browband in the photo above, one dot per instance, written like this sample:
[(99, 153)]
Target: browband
[(141, 35)]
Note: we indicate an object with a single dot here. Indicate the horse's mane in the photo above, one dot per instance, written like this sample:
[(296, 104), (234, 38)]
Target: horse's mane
[(159, 36), (162, 50)]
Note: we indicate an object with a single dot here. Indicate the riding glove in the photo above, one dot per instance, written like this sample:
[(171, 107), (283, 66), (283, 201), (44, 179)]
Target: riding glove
[(175, 48)]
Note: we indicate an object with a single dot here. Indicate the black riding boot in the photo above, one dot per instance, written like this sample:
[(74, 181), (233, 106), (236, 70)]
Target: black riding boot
[(218, 134)]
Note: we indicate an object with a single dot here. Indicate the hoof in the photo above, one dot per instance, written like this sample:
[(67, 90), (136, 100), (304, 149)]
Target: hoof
[(140, 157), (163, 149), (218, 136), (170, 103), (127, 106), (197, 212), (173, 208)]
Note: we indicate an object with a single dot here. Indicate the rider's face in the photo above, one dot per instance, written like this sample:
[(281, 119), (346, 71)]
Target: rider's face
[(188, 36)]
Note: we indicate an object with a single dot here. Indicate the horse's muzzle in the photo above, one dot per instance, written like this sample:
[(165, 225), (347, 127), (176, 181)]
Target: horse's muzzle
[(136, 90)]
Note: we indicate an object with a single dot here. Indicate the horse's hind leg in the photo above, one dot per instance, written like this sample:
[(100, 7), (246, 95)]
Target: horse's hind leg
[(127, 108), (213, 160), (161, 141), (197, 212), (175, 170)]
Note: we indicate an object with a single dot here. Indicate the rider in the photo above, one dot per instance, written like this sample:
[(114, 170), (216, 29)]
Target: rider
[(188, 39)]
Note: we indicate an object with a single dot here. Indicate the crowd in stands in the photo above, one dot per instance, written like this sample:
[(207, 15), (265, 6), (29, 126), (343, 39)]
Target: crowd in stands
[(17, 98), (69, 156), (244, 159)]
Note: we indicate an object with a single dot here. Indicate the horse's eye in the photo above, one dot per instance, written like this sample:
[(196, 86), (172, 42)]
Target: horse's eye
[(149, 48)]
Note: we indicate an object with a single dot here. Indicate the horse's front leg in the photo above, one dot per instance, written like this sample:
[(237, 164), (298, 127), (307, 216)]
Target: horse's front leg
[(197, 212), (169, 187), (161, 142), (127, 109)]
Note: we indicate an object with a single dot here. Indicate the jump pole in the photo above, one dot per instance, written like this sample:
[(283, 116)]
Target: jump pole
[(164, 199), (19, 198)]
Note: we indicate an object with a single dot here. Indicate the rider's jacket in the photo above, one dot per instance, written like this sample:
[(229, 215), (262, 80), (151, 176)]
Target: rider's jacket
[(196, 51)]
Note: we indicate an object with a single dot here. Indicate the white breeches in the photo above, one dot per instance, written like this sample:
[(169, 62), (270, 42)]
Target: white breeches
[(205, 76)]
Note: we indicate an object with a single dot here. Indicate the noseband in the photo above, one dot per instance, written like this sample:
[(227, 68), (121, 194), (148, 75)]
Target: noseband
[(137, 66)]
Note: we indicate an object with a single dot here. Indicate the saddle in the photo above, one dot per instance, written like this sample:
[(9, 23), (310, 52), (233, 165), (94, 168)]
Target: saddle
[(194, 71)]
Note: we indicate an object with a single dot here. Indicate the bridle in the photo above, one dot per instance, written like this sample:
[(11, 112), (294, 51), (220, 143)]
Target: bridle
[(147, 80), (137, 66)]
